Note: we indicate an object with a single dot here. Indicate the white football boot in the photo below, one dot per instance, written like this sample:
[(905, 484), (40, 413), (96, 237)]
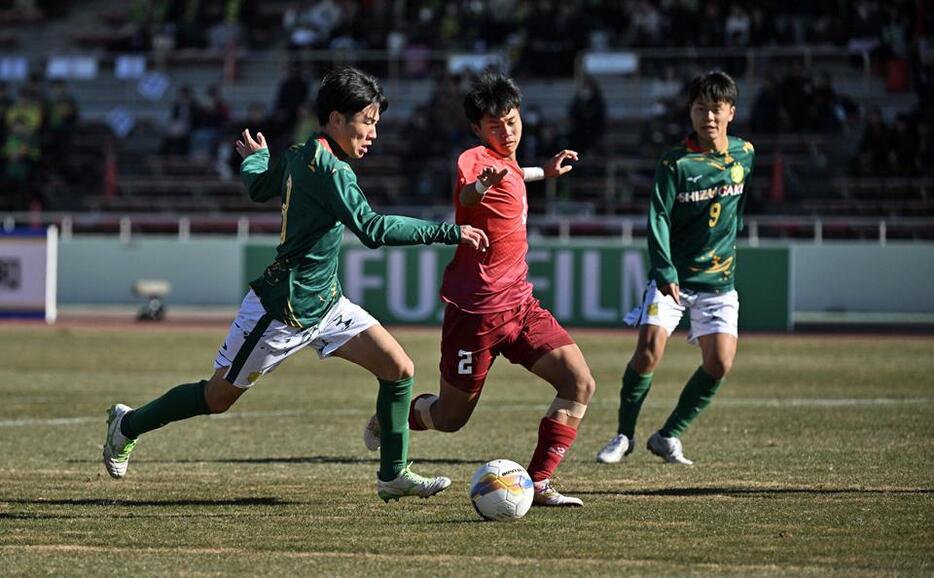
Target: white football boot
[(117, 447), (668, 449), (547, 495), (616, 449), (371, 434), (408, 483)]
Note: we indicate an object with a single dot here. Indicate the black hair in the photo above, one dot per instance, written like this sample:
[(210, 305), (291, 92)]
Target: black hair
[(492, 94), (348, 90), (714, 86)]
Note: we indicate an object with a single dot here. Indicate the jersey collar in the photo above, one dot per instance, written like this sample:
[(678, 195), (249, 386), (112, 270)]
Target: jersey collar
[(491, 152), (329, 144), (690, 143)]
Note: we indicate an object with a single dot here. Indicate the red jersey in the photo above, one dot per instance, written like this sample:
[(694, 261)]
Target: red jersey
[(495, 280)]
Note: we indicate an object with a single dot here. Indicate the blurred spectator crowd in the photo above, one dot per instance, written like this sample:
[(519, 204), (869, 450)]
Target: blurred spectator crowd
[(203, 128), (541, 40), (542, 35), (37, 123)]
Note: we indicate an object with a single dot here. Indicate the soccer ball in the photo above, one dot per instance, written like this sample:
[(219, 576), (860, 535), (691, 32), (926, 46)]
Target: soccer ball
[(501, 490)]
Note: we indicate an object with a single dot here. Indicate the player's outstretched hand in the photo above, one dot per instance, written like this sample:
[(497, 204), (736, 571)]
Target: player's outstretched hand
[(474, 237), (491, 176), (672, 290), (555, 168), (247, 145)]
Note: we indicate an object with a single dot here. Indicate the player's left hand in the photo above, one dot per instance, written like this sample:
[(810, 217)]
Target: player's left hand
[(555, 168), (247, 145), (474, 237)]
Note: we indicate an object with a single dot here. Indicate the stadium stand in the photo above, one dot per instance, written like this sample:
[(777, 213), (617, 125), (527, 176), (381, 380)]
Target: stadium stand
[(836, 98)]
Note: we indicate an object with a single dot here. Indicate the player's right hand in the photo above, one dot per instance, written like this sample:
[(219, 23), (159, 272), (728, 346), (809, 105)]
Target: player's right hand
[(474, 237), (671, 290), (247, 145), (490, 176)]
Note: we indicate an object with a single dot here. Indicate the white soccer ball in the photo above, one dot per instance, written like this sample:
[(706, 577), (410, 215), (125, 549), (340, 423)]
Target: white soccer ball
[(501, 490)]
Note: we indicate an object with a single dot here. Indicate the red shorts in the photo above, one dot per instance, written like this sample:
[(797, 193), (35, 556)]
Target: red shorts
[(470, 342)]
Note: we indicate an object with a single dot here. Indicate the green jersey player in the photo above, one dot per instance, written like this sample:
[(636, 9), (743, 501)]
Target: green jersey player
[(298, 302), (695, 213)]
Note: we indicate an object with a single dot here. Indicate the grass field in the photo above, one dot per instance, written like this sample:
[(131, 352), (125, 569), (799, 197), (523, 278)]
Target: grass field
[(816, 459)]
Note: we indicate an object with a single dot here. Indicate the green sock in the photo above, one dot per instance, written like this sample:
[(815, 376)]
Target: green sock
[(392, 410), (696, 396), (180, 402), (631, 395)]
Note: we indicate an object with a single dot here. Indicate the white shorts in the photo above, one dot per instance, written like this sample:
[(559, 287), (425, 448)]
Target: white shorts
[(256, 344), (710, 312)]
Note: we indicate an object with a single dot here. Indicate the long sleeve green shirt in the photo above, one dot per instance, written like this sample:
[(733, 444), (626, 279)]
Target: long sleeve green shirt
[(320, 197), (695, 212)]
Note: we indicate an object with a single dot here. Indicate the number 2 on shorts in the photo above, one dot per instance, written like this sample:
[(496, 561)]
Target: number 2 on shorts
[(465, 366)]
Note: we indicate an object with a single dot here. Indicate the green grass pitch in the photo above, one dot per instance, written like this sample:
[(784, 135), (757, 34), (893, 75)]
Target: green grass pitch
[(815, 459)]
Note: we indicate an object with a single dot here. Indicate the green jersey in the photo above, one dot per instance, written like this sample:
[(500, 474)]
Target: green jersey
[(695, 213), (320, 197)]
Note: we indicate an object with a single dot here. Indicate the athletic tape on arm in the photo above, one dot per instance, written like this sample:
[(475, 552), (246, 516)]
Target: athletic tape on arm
[(533, 174), (568, 407)]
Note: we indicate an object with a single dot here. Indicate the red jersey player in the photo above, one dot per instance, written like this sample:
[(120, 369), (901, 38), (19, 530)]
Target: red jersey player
[(490, 307)]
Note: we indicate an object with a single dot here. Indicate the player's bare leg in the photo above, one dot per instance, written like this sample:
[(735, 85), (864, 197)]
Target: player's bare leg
[(448, 411), (649, 348), (567, 371), (220, 394), (377, 351), (718, 351), (637, 380)]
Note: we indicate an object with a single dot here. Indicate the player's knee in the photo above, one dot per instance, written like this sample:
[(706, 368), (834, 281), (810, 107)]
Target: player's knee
[(585, 388), (407, 369), (401, 368), (645, 360), (590, 387), (718, 367)]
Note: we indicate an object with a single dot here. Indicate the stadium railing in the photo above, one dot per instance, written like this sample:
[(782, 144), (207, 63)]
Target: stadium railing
[(758, 228)]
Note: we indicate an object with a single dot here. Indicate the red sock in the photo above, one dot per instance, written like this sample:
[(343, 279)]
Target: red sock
[(413, 421), (554, 441)]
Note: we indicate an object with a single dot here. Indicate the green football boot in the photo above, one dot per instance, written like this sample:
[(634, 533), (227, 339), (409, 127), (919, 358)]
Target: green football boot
[(117, 447), (408, 483)]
